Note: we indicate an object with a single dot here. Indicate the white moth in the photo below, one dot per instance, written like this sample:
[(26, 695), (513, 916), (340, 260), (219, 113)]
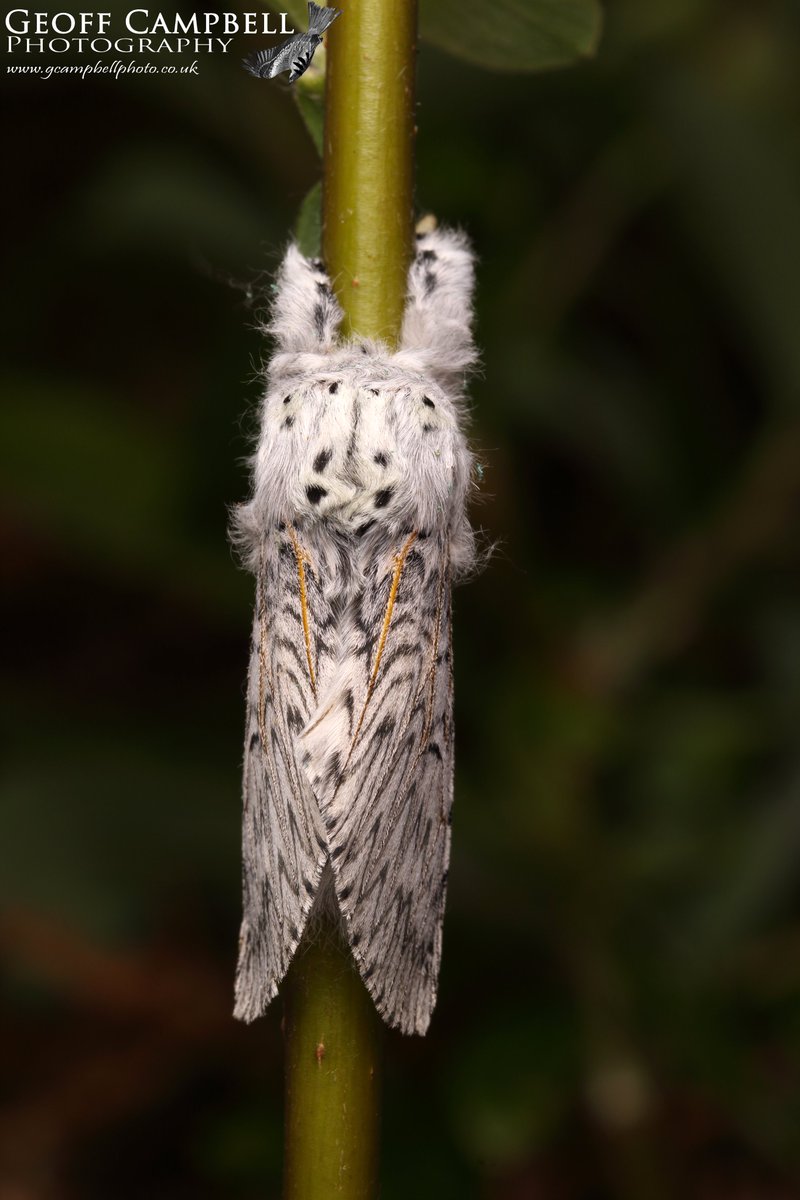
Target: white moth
[(355, 529)]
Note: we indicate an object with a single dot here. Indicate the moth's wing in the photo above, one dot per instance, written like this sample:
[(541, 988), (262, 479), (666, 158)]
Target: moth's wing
[(380, 757), (266, 64), (283, 849), (303, 53), (320, 17)]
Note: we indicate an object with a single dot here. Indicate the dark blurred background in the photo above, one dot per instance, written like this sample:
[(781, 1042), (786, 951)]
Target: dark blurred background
[(619, 1016)]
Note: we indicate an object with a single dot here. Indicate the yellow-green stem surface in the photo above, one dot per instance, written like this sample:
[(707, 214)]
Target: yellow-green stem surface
[(369, 156), (332, 1076)]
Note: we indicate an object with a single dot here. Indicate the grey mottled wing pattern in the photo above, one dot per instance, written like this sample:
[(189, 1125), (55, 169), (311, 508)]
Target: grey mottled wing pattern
[(283, 848), (380, 760), (294, 56)]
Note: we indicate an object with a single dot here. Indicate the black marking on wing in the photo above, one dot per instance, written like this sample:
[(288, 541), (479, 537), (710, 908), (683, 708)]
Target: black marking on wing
[(388, 812), (284, 845)]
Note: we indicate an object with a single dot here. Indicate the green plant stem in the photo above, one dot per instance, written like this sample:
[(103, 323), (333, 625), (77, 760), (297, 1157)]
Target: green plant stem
[(368, 158), (332, 1075), (332, 1030)]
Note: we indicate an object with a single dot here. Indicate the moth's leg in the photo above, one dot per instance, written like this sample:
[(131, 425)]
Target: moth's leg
[(305, 315), (438, 316)]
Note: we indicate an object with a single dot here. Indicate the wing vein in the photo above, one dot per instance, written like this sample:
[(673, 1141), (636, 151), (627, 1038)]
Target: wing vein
[(302, 559), (399, 562)]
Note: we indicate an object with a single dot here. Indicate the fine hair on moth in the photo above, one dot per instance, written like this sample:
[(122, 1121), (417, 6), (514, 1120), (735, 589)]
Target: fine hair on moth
[(355, 530)]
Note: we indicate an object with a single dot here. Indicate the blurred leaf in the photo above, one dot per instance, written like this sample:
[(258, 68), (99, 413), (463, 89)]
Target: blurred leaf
[(309, 96), (308, 229), (312, 110), (753, 870), (508, 1089), (91, 469), (298, 13), (177, 200), (107, 863), (742, 193), (240, 1147), (513, 35), (105, 482)]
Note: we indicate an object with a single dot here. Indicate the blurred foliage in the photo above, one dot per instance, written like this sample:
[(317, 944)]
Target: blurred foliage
[(513, 35), (618, 1015)]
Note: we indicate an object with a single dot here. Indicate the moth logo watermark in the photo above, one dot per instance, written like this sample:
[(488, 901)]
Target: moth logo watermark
[(139, 31), (294, 56)]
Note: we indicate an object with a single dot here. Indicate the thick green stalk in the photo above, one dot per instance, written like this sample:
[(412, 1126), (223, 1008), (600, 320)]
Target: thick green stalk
[(332, 1030), (369, 157), (332, 1076)]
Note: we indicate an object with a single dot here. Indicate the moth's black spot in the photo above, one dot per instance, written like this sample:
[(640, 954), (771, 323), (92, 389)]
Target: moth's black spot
[(356, 937), (309, 887), (333, 387), (345, 893), (330, 824), (322, 287), (370, 971), (383, 497), (422, 535), (293, 718), (288, 423), (364, 348), (430, 282), (381, 459), (317, 264), (322, 843), (337, 853), (426, 400), (294, 933), (375, 391), (333, 770), (319, 320), (429, 948), (306, 758), (281, 526), (315, 493), (428, 256), (255, 738), (338, 605), (435, 751), (385, 729), (322, 460), (427, 428), (287, 400), (362, 529)]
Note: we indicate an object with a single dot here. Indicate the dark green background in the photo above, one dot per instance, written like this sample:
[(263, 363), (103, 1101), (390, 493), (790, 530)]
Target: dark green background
[(619, 1013)]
